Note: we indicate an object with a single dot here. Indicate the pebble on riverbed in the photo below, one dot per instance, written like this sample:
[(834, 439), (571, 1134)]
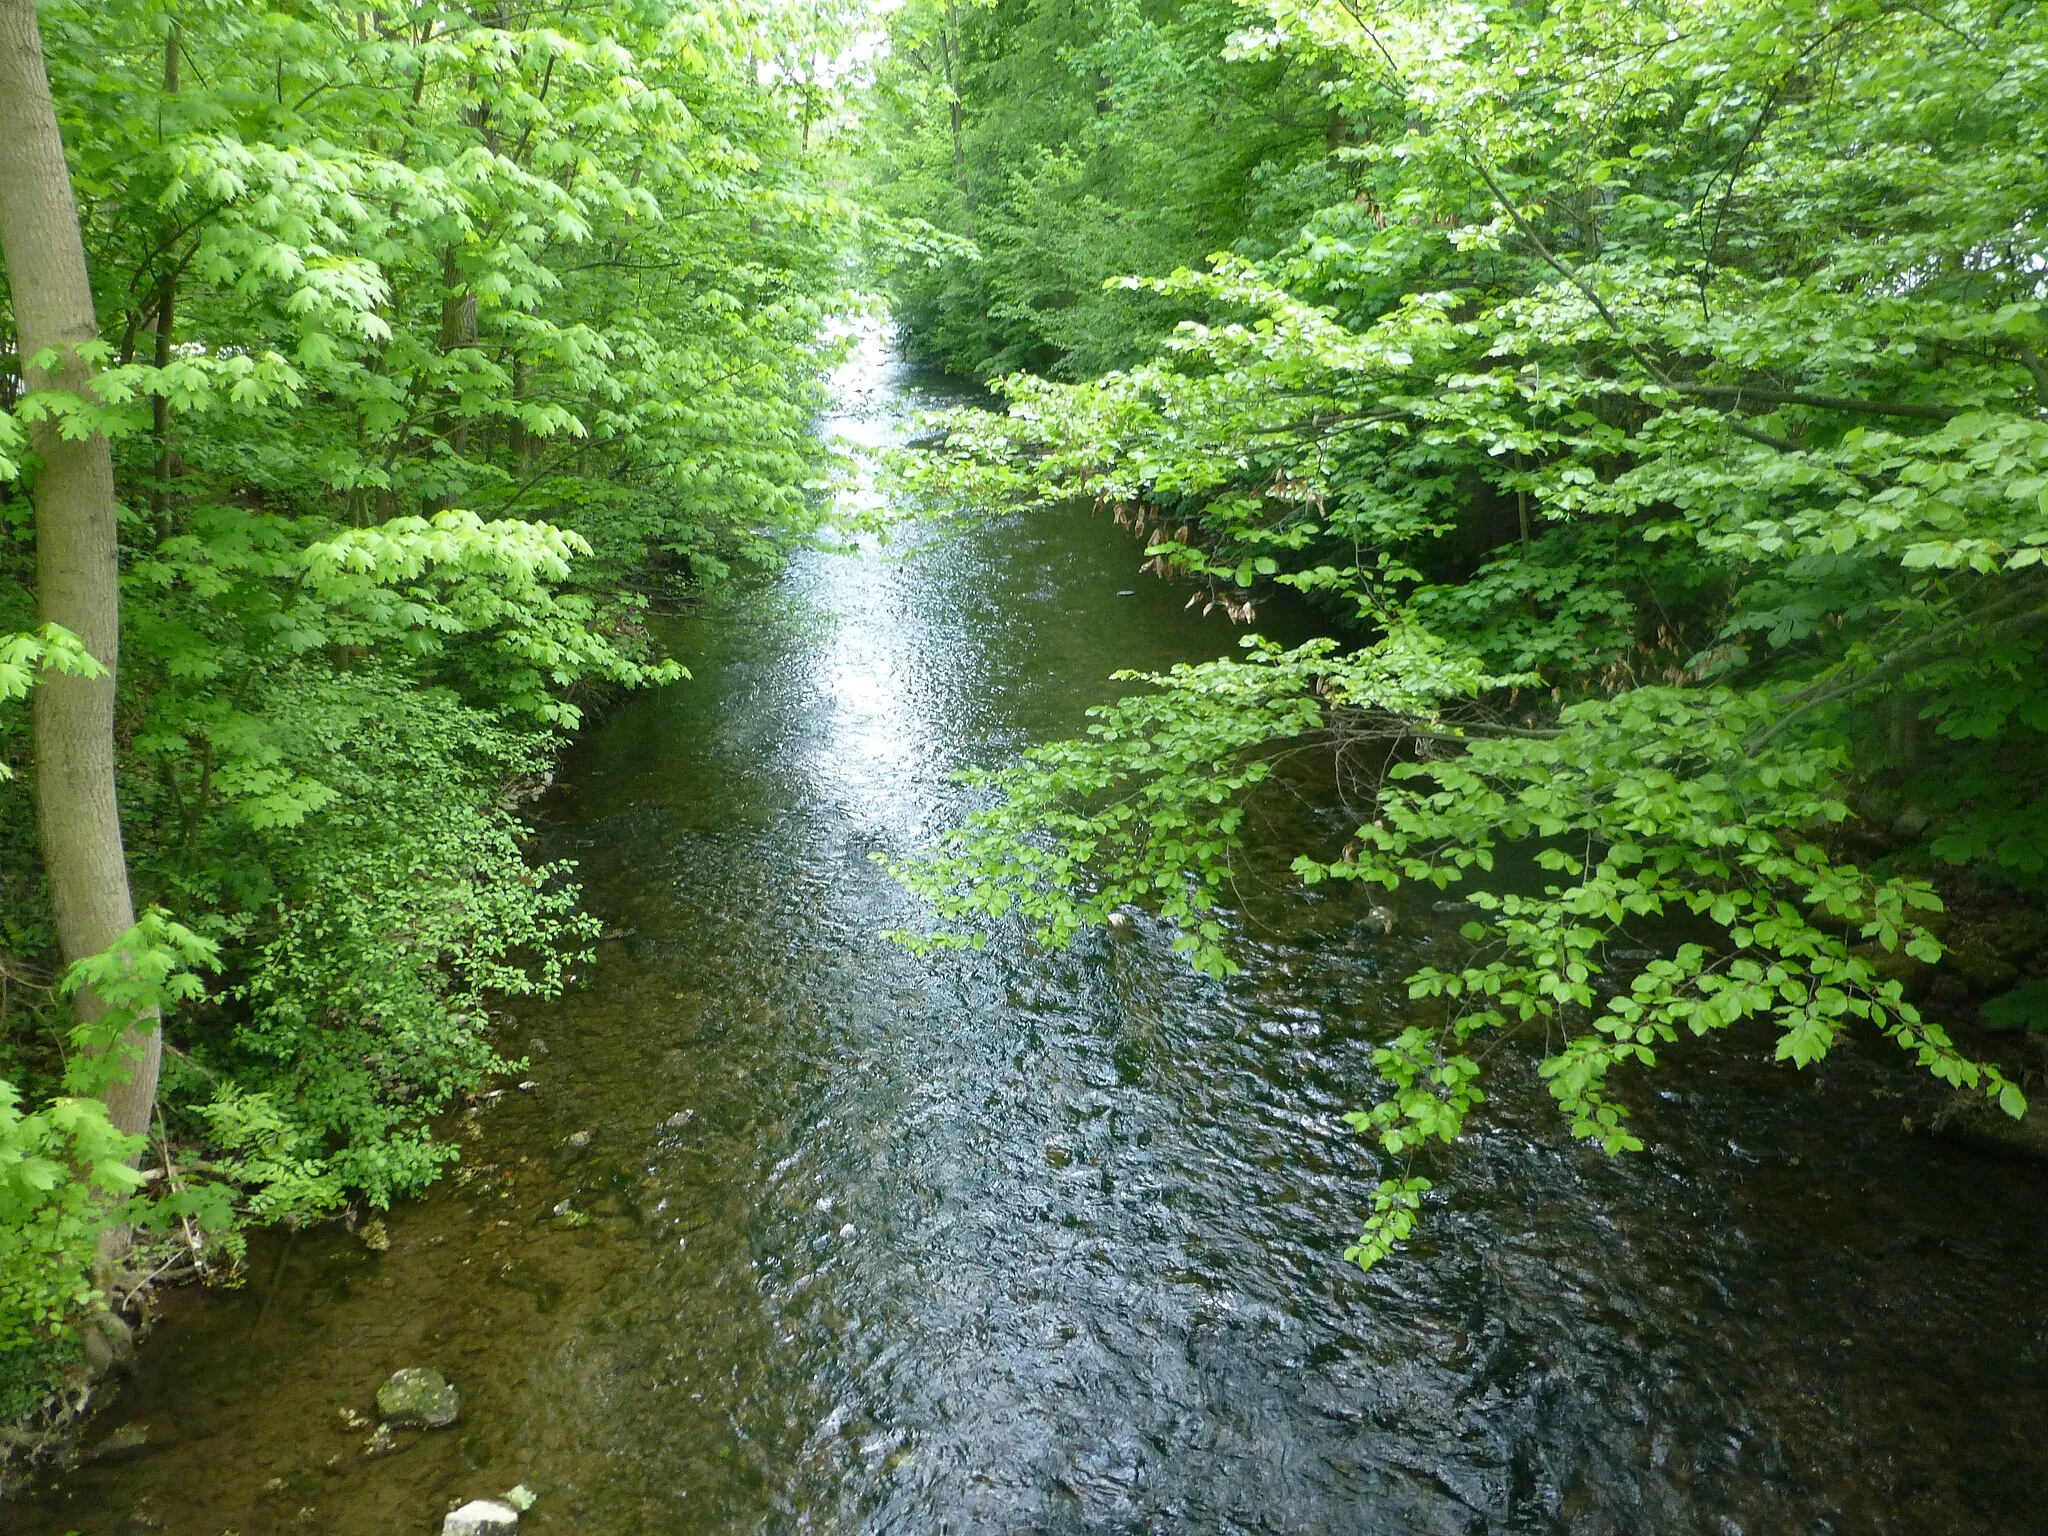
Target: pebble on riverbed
[(481, 1517), (418, 1397)]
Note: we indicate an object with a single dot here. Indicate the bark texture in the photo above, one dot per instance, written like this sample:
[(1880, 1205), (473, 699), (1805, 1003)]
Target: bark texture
[(77, 563)]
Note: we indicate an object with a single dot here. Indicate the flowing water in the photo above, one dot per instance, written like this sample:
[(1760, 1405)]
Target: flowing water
[(787, 1230)]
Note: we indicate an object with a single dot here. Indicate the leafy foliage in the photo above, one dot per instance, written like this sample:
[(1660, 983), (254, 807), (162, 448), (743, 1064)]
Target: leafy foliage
[(65, 1171), (59, 1165), (440, 341), (1069, 143), (1674, 378)]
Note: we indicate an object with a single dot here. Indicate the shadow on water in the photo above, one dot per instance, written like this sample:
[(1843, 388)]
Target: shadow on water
[(789, 1231)]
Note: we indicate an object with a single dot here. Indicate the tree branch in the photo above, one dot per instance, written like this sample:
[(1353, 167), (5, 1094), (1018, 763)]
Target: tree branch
[(1738, 393), (1903, 660)]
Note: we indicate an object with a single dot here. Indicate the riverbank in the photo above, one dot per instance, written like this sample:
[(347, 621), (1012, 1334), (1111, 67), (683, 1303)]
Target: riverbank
[(65, 1389)]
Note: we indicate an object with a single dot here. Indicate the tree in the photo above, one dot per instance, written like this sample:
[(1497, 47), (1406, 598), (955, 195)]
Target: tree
[(77, 558), (1662, 415), (440, 342), (1071, 142)]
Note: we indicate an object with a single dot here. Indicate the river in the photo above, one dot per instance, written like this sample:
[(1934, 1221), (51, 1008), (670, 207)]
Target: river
[(788, 1230)]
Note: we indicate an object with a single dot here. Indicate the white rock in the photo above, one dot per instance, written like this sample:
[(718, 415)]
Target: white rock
[(482, 1517)]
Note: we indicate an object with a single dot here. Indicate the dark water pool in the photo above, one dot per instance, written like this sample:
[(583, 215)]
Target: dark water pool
[(795, 1232)]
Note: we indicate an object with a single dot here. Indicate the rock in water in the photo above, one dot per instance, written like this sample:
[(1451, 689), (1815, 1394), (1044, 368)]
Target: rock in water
[(481, 1517), (129, 1440), (109, 1345), (418, 1398)]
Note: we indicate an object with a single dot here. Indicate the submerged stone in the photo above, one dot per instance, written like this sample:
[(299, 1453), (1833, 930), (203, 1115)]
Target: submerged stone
[(126, 1441), (418, 1397)]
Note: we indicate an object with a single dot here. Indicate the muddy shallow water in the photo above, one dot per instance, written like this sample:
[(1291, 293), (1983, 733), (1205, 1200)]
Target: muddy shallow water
[(791, 1231)]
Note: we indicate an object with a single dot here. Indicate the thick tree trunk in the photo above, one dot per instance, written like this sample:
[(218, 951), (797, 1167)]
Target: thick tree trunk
[(77, 571)]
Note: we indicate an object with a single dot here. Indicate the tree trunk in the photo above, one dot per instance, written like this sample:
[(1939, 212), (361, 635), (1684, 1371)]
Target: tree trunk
[(77, 565), (949, 44), (160, 407), (458, 330)]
